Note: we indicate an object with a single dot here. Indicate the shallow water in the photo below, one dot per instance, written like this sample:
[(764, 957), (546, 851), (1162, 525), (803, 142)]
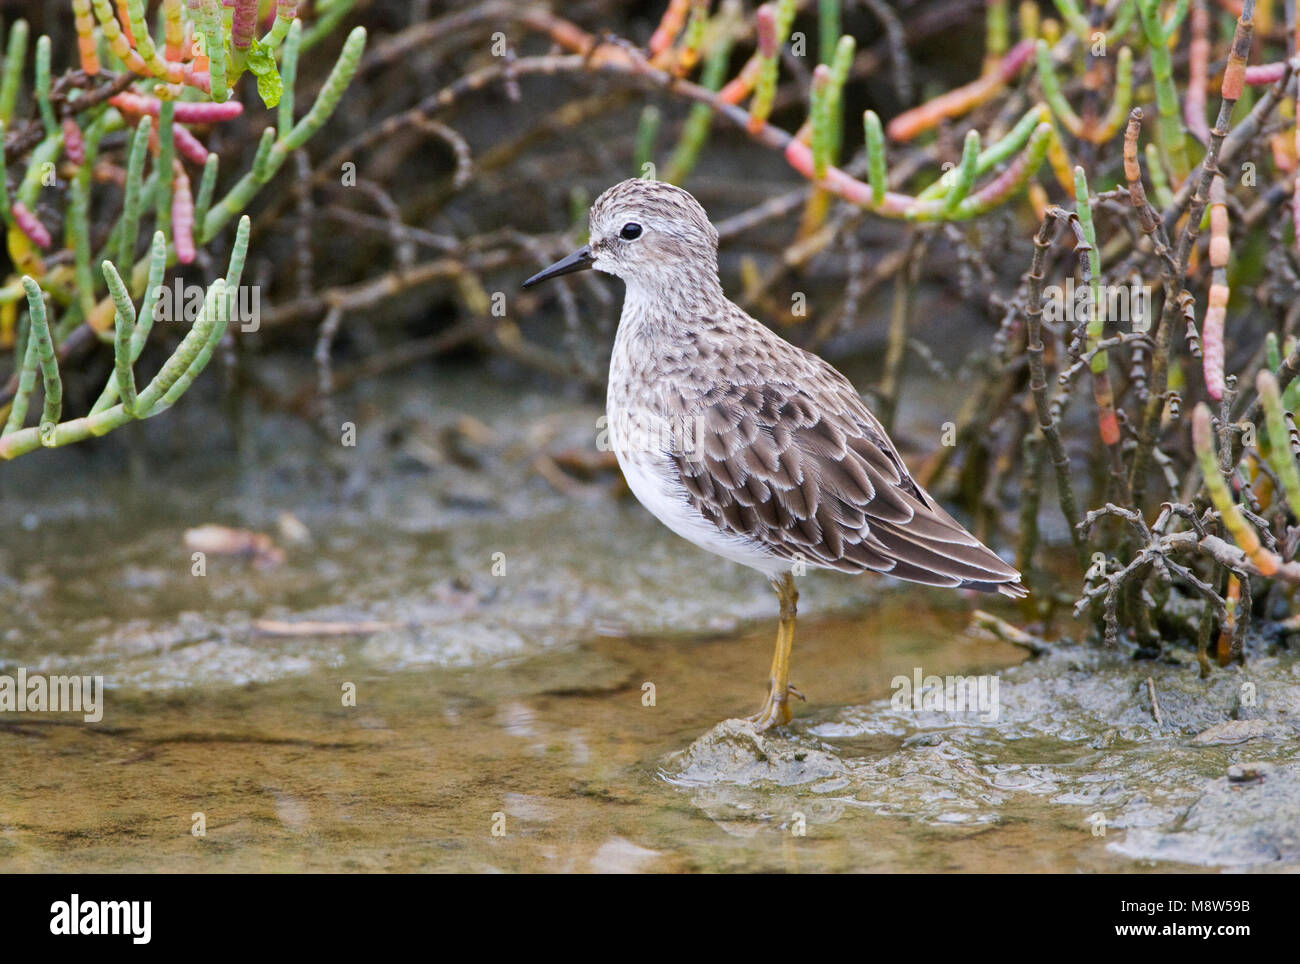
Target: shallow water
[(413, 776), (514, 700)]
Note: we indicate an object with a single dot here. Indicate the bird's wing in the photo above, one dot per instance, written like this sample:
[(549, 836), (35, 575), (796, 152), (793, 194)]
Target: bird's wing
[(810, 473)]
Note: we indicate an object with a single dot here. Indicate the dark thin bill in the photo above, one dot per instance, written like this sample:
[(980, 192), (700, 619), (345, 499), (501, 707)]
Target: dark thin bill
[(580, 260)]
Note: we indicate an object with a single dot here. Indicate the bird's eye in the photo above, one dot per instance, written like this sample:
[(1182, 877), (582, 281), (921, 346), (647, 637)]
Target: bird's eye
[(631, 231)]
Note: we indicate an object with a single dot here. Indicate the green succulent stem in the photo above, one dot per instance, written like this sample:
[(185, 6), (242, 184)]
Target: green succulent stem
[(43, 85), (166, 152), (1279, 451), (647, 131), (696, 129), (876, 164), (123, 332), (214, 45), (247, 187), (1170, 125), (967, 171), (288, 77), (39, 352), (993, 155), (12, 75)]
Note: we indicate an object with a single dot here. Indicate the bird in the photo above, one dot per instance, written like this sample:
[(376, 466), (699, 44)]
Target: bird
[(747, 445)]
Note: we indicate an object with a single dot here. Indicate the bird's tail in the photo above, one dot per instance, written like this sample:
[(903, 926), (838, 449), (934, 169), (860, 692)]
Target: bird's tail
[(1012, 588)]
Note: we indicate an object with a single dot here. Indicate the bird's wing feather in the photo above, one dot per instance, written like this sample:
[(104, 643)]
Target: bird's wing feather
[(810, 473)]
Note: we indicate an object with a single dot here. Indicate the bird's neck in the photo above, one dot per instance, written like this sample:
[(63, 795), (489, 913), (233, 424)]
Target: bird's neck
[(671, 303), (667, 334)]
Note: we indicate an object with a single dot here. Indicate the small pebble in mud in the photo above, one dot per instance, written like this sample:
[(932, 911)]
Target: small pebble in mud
[(1232, 731), (923, 739), (292, 529), (1105, 739), (1246, 772), (219, 540)]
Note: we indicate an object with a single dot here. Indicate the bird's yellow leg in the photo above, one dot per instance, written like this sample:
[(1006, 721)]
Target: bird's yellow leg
[(776, 711)]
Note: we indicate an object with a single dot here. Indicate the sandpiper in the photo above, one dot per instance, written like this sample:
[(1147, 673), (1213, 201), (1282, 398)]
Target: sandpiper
[(747, 445)]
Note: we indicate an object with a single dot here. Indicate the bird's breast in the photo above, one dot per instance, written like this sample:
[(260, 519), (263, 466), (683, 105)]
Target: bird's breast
[(649, 440)]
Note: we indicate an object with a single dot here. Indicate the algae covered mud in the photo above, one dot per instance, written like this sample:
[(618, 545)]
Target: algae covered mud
[(459, 666)]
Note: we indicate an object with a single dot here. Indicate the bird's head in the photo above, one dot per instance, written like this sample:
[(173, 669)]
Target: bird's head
[(648, 233)]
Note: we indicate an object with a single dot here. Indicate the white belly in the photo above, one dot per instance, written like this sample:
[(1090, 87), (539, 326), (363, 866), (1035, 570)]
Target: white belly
[(653, 478)]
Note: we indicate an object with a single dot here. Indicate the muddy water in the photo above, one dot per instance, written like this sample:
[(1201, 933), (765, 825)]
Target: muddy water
[(500, 718), (416, 775)]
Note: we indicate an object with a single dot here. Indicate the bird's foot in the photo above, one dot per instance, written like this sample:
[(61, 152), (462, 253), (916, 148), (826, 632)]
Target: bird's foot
[(776, 711)]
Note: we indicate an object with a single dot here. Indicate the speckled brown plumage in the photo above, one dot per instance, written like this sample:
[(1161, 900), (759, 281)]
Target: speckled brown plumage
[(744, 444), (771, 447)]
